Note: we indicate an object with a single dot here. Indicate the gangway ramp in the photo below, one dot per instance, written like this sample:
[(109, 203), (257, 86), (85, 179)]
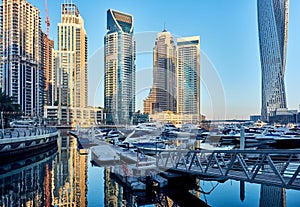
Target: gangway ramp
[(272, 167)]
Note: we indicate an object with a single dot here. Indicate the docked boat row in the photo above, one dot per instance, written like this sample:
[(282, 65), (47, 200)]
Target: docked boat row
[(263, 137), (150, 136)]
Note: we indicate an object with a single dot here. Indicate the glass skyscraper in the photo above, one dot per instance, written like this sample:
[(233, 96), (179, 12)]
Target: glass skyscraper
[(273, 29), (163, 93), (119, 60), (188, 76)]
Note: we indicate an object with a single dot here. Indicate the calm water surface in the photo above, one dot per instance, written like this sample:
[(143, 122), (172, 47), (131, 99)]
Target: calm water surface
[(63, 177)]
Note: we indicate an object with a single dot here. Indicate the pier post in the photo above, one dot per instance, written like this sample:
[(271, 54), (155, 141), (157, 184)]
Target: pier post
[(242, 138), (242, 190), (2, 123), (92, 133)]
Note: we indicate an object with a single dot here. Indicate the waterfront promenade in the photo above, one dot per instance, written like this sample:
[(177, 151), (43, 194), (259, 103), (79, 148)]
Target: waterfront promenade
[(16, 141)]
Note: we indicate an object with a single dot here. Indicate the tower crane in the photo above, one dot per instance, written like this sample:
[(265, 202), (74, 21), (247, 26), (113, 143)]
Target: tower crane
[(47, 19)]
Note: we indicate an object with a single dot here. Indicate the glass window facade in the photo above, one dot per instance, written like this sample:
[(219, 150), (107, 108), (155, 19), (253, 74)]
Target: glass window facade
[(119, 64), (272, 27), (188, 76), (163, 93)]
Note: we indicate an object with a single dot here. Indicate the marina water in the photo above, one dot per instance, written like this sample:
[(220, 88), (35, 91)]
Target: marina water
[(65, 177)]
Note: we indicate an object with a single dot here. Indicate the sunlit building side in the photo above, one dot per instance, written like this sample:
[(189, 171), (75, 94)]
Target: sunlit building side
[(162, 96), (188, 76), (119, 66), (48, 46), (69, 74), (273, 32), (71, 71)]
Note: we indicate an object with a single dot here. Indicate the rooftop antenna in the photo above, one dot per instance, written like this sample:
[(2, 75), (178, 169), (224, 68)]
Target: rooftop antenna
[(164, 27)]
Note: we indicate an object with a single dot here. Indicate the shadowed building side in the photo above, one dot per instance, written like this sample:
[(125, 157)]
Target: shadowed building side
[(21, 55), (272, 196)]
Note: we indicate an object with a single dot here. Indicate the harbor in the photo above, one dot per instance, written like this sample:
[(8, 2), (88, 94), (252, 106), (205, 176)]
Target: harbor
[(195, 157), (104, 104), (126, 175)]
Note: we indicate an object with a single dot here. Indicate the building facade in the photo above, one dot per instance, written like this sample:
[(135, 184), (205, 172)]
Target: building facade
[(70, 60), (188, 76), (48, 46), (22, 74), (68, 83), (119, 64), (177, 119), (73, 117), (273, 32), (162, 96)]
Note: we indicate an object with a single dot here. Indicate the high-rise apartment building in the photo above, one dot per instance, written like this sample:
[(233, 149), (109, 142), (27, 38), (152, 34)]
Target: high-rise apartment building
[(70, 60), (273, 32), (47, 47), (163, 93), (69, 74), (22, 74), (188, 76), (119, 64)]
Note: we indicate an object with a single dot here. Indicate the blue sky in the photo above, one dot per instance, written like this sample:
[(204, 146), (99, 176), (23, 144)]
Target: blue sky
[(229, 41)]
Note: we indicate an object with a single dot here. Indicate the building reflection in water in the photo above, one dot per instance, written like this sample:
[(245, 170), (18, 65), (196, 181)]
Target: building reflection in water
[(118, 195), (26, 182), (56, 177), (271, 196), (69, 174), (115, 195)]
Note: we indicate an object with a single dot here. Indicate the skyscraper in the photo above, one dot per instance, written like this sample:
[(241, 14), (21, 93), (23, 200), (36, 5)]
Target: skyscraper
[(119, 64), (273, 30), (47, 64), (21, 50), (70, 60), (188, 76), (163, 93)]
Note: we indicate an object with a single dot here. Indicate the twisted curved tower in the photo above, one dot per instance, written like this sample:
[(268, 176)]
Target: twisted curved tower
[(273, 30)]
